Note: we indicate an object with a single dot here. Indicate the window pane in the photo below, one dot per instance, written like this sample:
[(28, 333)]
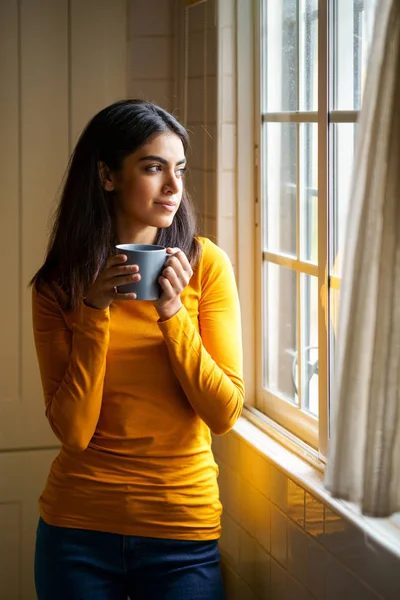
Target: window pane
[(353, 26), (309, 343), (279, 173), (280, 56), (342, 160), (309, 192), (308, 53), (280, 330)]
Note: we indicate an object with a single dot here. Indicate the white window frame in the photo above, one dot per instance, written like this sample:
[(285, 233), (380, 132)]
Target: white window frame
[(299, 425)]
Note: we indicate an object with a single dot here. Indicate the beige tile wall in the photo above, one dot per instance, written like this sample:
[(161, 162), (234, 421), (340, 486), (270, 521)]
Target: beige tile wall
[(211, 118), (279, 542), (227, 130), (200, 101), (173, 62)]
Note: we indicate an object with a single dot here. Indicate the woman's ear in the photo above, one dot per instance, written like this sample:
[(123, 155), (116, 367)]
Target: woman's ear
[(106, 178)]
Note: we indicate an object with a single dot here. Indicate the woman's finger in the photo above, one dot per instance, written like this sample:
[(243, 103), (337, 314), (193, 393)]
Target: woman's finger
[(181, 266), (117, 271), (123, 279), (166, 285), (176, 266), (130, 296), (176, 279), (116, 259), (181, 258)]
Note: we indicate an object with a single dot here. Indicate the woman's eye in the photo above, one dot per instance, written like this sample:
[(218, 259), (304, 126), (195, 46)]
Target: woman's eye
[(181, 172), (154, 168)]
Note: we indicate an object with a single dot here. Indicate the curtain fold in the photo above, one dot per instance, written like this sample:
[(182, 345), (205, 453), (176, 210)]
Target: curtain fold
[(364, 452)]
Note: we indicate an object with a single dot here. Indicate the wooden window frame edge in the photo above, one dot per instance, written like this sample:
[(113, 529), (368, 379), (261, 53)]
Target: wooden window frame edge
[(246, 181), (289, 416), (311, 431)]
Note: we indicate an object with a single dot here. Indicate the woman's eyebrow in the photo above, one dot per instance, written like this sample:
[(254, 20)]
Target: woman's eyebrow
[(162, 160)]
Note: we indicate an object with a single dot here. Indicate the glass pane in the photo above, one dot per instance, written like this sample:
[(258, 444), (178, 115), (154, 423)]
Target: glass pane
[(309, 192), (280, 56), (342, 160), (309, 343), (280, 330), (308, 50), (353, 27), (279, 184)]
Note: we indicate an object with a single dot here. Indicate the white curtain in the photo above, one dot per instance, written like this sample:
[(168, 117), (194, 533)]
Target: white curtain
[(364, 455)]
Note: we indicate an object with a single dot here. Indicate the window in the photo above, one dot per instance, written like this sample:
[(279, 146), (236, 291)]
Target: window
[(313, 57)]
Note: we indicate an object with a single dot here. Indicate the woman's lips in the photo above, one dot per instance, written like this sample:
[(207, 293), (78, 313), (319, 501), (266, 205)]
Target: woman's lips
[(170, 206)]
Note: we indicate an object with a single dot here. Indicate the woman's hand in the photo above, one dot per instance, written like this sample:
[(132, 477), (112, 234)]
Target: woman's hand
[(173, 280), (104, 288)]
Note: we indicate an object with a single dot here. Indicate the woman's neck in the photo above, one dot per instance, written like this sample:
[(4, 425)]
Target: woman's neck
[(129, 233)]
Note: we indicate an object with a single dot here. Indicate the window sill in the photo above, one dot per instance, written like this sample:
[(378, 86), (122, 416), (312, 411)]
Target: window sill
[(307, 470)]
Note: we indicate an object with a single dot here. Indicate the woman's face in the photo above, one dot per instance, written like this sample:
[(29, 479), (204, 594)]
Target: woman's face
[(148, 188)]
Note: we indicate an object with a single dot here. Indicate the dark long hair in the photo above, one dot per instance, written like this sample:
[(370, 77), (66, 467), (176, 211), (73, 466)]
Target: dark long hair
[(83, 233)]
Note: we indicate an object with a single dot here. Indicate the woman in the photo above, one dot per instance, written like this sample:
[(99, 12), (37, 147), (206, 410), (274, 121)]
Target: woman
[(132, 389)]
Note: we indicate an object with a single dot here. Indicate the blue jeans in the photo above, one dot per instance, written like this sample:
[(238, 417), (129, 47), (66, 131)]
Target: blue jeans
[(78, 564)]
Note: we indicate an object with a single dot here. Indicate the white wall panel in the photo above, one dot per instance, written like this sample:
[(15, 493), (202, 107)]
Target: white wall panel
[(44, 155), (98, 58), (9, 204), (22, 478), (34, 119), (60, 62)]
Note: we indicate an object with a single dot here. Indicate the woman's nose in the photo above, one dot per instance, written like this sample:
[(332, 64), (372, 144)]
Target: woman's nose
[(172, 184)]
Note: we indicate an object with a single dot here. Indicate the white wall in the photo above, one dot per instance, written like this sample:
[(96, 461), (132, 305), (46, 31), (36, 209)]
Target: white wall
[(152, 60), (60, 62)]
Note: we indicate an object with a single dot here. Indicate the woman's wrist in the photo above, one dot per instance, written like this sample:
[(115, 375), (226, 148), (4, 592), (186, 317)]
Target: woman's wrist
[(90, 305), (169, 311)]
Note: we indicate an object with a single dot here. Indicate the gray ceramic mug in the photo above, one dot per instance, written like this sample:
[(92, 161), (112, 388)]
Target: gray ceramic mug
[(151, 260)]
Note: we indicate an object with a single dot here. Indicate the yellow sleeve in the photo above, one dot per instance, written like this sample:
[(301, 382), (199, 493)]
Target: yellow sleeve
[(208, 364), (72, 367)]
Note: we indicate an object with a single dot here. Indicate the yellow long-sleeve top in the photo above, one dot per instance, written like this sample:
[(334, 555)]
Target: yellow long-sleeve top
[(133, 399)]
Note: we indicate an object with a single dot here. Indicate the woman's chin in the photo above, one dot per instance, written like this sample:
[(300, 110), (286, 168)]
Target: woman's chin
[(163, 222)]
